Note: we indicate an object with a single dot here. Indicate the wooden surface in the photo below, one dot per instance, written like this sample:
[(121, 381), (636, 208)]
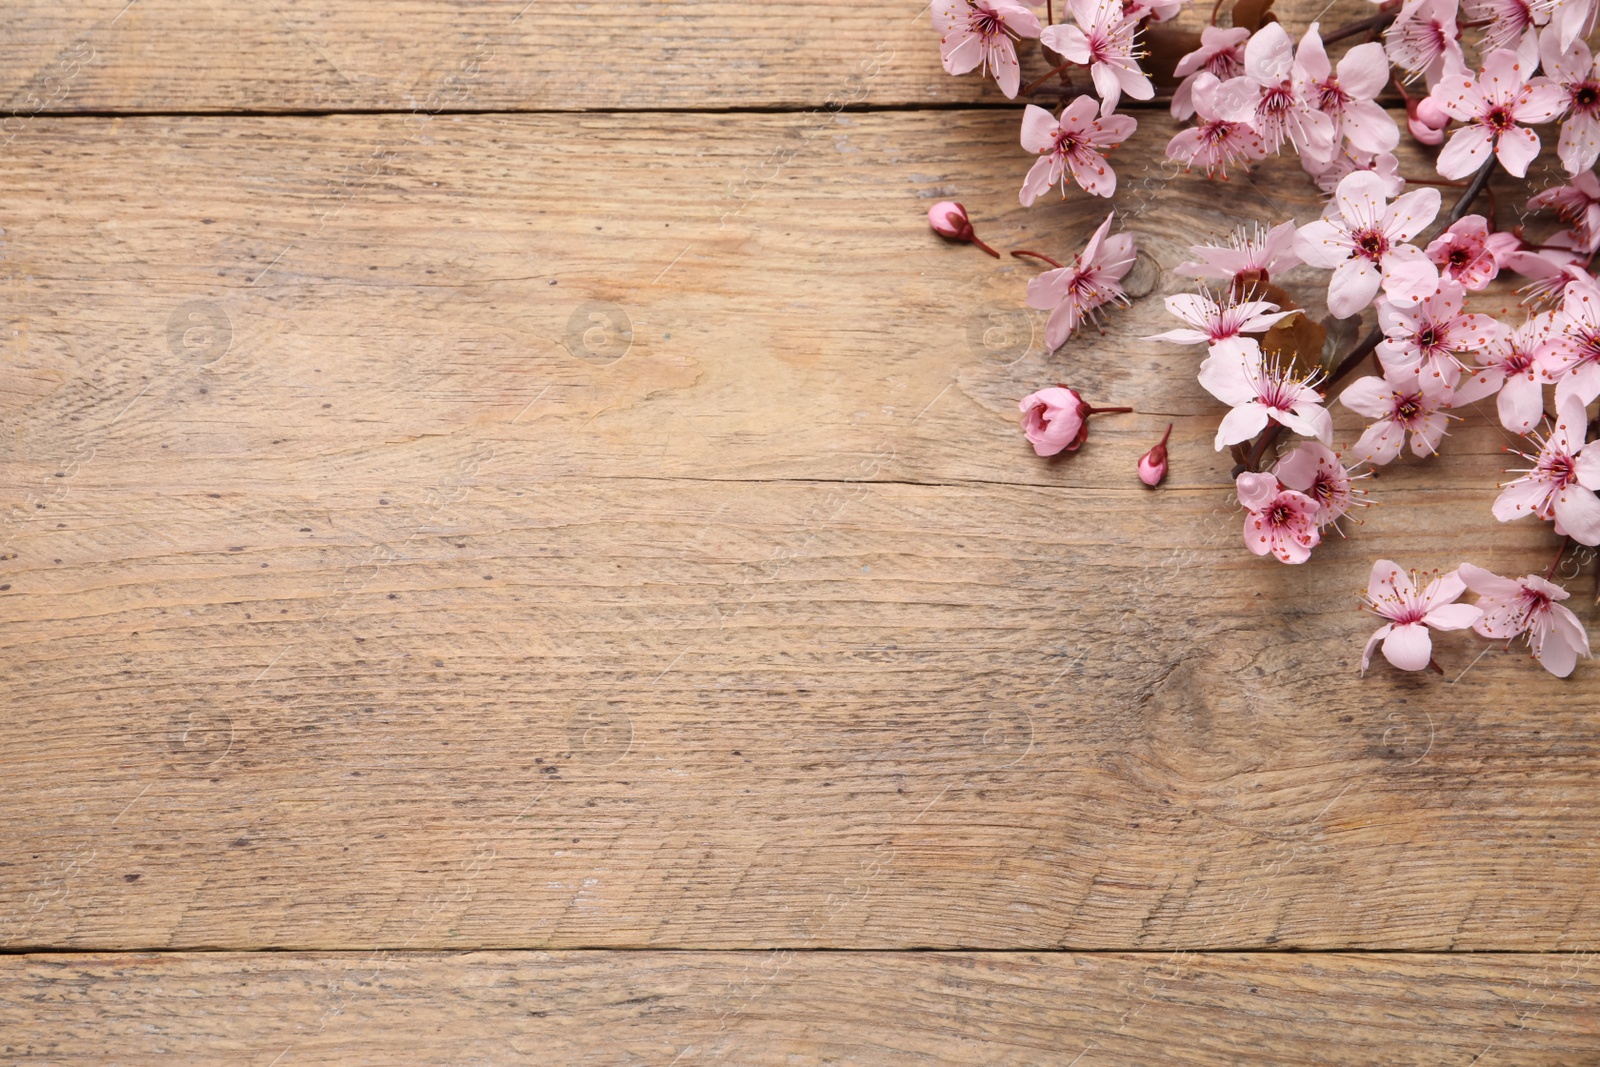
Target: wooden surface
[(365, 593), (791, 1008)]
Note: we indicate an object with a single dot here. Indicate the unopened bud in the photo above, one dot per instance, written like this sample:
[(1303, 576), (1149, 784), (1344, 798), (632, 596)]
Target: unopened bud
[(949, 219), (1153, 464)]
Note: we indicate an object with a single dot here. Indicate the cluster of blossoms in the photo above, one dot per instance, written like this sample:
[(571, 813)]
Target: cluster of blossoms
[(1391, 258)]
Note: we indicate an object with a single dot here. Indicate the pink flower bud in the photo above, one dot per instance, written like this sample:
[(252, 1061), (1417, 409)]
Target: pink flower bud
[(1153, 464), (1057, 419), (1426, 120), (949, 219)]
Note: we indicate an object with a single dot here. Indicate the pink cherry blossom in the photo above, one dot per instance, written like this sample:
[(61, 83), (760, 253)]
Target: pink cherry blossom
[(1072, 294), (1347, 97), (1280, 521), (1492, 106), (1571, 355), (1366, 246), (1561, 483), (1072, 145), (1430, 335), (1214, 142), (1256, 252), (1315, 470), (1508, 368), (1468, 253), (1578, 76), (1411, 613), (1055, 420), (1267, 96), (1528, 605), (1422, 38), (983, 33), (1220, 322), (1104, 39), (1261, 392), (1399, 403), (1221, 54), (1577, 203), (1504, 21)]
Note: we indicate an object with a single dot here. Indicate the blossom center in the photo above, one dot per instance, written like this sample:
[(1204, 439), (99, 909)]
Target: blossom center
[(1371, 243), (1560, 470), (1586, 97), (1331, 99), (1275, 102), (986, 24), (1407, 409), (1498, 118)]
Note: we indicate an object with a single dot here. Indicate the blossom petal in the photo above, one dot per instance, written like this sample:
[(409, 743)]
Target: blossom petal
[(1487, 583), (1322, 244), (1039, 128), (1409, 647), (1556, 656), (1466, 152), (1521, 497), (1578, 510), (1269, 55), (1517, 147), (1362, 195), (1520, 403), (1364, 71), (964, 55), (1354, 284), (1068, 41), (1380, 444), (1409, 276), (1372, 642), (1387, 578), (1308, 420), (1452, 616), (1241, 424), (1411, 214), (1254, 490), (1367, 396)]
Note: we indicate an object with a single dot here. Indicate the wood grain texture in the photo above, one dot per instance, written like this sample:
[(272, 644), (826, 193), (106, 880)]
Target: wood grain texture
[(428, 56), (346, 606), (1190, 1009)]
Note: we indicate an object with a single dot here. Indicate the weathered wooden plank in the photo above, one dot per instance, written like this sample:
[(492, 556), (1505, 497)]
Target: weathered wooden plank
[(346, 607), (428, 56), (1193, 1009)]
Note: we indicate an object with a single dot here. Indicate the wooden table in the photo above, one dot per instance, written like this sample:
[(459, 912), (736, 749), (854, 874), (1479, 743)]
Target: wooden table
[(517, 549)]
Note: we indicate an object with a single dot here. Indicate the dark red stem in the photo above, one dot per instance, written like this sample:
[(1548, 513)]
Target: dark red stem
[(975, 240), (1036, 255)]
